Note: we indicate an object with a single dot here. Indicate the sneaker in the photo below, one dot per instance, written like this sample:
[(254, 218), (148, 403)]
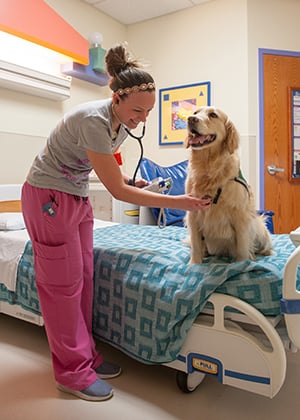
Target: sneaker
[(98, 391), (108, 370)]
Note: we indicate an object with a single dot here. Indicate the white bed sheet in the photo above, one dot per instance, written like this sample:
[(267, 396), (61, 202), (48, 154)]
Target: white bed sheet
[(12, 245)]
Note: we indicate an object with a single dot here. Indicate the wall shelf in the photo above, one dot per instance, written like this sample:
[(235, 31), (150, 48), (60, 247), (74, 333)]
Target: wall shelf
[(85, 73)]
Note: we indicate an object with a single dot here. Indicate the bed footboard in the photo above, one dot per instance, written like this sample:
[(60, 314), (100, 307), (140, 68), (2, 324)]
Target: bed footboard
[(17, 311), (290, 302), (235, 356)]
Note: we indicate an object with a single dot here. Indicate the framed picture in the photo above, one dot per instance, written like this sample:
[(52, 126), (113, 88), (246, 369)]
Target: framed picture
[(294, 134), (176, 104)]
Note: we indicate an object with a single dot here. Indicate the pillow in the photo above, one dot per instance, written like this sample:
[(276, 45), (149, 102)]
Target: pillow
[(11, 221)]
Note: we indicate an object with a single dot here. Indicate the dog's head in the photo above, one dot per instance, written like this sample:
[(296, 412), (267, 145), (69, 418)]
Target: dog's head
[(209, 126)]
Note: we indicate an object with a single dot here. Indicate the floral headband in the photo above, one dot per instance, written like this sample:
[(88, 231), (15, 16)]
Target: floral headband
[(136, 88)]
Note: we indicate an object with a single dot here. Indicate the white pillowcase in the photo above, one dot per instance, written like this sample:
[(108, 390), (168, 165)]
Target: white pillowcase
[(11, 221)]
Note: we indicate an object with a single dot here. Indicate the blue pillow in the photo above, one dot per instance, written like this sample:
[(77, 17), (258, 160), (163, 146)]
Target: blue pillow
[(178, 172)]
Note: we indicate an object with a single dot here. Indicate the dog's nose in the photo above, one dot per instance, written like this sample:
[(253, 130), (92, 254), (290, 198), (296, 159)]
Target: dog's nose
[(193, 119)]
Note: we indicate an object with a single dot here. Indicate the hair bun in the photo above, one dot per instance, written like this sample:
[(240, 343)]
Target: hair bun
[(118, 59), (127, 74)]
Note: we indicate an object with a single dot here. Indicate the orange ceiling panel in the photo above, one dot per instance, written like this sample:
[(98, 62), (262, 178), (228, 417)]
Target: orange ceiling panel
[(37, 22)]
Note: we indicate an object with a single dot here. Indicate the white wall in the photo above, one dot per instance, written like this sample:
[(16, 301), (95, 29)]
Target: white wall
[(272, 24), (216, 41), (204, 43), (26, 120)]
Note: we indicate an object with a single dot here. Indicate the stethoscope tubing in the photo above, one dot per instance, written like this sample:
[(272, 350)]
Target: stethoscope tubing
[(139, 139)]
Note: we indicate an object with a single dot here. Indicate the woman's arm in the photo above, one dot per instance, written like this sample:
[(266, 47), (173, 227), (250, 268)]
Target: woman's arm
[(110, 175)]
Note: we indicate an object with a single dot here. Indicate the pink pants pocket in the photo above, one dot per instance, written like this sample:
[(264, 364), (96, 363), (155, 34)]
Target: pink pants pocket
[(51, 264)]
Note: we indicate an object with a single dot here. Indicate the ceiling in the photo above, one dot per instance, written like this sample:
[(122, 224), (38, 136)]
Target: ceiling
[(134, 11)]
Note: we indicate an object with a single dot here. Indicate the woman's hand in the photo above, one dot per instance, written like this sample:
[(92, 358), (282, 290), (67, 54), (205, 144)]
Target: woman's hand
[(140, 183), (191, 203)]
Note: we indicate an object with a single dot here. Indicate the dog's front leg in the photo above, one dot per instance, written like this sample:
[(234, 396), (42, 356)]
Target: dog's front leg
[(244, 244), (197, 243)]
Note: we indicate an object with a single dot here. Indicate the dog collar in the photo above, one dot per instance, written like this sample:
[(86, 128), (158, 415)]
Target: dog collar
[(217, 195), (240, 178)]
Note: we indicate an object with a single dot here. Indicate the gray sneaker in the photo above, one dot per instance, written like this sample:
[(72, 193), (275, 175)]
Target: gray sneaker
[(98, 391), (108, 370)]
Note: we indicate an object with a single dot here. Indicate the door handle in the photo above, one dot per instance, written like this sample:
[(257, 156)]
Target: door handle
[(272, 169)]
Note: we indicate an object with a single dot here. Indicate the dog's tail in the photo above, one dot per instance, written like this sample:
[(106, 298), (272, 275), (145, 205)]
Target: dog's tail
[(263, 242)]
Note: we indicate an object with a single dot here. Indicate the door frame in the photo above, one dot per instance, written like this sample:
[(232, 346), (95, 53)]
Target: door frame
[(261, 53)]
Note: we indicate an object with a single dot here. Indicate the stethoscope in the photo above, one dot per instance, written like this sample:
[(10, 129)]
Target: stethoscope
[(161, 220), (139, 139)]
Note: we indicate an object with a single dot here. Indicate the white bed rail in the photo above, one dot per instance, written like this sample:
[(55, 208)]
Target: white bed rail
[(256, 363), (275, 357)]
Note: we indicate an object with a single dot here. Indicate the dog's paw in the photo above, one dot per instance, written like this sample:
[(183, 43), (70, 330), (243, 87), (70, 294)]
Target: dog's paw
[(245, 256), (194, 260), (267, 252), (187, 241)]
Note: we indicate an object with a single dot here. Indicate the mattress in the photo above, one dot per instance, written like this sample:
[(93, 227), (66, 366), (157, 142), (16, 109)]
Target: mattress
[(147, 296), (12, 247)]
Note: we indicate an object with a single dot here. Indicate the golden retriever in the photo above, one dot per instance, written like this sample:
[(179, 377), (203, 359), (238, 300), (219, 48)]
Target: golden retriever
[(230, 226)]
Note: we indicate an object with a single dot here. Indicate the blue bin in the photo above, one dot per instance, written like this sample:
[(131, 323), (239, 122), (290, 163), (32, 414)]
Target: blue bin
[(269, 219), (151, 170)]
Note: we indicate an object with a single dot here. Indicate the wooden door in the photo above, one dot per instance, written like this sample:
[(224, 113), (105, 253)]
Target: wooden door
[(281, 192)]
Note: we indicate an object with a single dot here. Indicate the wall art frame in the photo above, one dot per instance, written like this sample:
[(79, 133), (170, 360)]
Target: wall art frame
[(176, 104)]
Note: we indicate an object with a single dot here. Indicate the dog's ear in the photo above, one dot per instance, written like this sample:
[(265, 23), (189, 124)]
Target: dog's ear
[(232, 137)]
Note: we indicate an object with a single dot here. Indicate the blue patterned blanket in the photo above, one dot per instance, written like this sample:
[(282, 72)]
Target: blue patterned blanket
[(147, 297)]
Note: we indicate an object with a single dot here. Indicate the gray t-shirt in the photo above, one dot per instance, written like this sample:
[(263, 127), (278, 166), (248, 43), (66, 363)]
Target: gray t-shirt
[(63, 163)]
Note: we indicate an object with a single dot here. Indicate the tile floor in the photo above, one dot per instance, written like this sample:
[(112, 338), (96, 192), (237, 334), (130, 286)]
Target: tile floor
[(142, 392)]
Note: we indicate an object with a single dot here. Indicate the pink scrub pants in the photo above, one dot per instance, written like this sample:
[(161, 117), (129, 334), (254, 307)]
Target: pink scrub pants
[(60, 227)]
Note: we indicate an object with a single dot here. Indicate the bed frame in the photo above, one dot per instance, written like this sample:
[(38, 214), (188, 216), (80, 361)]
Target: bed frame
[(246, 350)]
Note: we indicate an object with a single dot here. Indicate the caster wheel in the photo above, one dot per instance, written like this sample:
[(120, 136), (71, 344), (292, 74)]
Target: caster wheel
[(188, 382)]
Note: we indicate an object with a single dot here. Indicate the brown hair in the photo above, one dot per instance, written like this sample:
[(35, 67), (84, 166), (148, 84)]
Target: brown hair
[(127, 74)]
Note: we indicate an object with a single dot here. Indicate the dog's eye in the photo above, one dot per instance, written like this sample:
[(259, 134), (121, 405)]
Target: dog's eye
[(213, 115)]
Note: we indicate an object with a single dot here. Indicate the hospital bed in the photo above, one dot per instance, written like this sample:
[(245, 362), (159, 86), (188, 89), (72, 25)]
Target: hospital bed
[(232, 320)]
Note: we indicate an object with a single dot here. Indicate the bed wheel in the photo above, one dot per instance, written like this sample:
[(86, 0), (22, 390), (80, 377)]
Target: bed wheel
[(188, 382)]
